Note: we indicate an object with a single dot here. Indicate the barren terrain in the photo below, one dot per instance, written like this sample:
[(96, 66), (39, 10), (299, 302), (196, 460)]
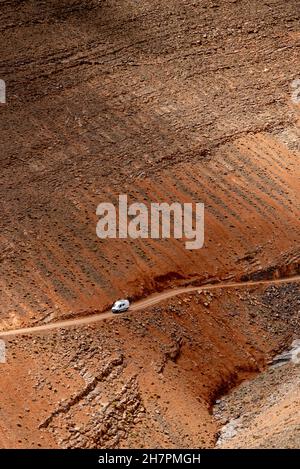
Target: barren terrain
[(92, 387), (187, 101)]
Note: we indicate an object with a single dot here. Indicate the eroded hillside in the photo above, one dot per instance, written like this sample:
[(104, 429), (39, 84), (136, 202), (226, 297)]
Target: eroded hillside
[(171, 100), (163, 101), (146, 379)]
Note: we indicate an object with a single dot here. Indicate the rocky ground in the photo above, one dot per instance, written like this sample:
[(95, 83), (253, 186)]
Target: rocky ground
[(167, 101), (147, 379), (263, 412), (161, 100)]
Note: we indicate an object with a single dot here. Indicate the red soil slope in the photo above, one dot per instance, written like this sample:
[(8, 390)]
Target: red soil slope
[(172, 100), (146, 379)]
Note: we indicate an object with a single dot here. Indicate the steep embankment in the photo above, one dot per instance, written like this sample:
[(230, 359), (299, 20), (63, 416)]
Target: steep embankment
[(147, 379), (141, 305), (263, 412), (165, 101)]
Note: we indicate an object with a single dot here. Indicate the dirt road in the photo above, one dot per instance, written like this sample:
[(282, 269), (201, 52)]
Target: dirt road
[(142, 304)]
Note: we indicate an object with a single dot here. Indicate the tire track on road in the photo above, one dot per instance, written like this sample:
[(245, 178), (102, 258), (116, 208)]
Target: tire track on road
[(142, 304)]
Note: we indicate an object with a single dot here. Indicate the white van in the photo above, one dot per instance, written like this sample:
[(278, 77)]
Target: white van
[(120, 306)]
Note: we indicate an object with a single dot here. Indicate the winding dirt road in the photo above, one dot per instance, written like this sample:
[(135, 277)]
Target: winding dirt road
[(142, 304)]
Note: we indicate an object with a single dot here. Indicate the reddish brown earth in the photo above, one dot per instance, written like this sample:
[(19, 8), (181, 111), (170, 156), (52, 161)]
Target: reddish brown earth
[(161, 100), (145, 379), (164, 101), (264, 411)]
